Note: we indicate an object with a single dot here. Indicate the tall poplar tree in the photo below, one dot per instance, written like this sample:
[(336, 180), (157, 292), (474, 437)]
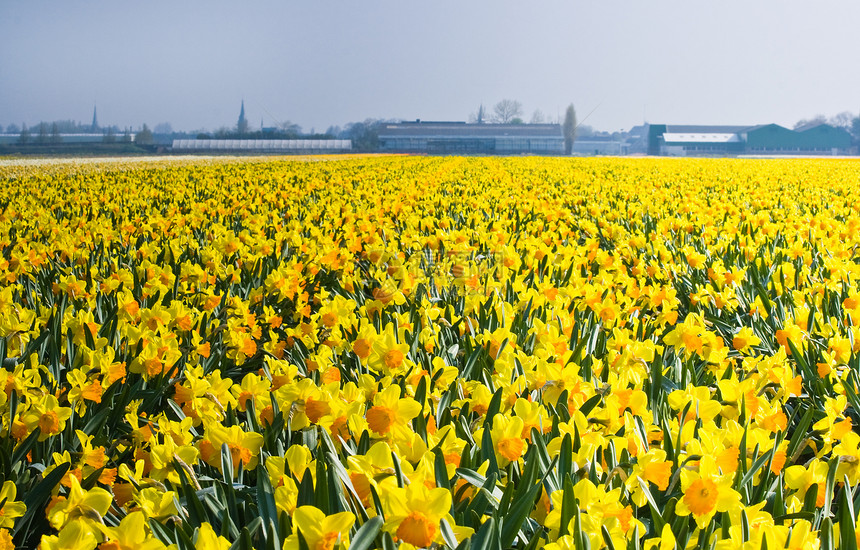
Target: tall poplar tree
[(569, 129)]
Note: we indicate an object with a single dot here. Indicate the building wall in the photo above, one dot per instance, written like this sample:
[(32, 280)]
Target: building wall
[(825, 137), (772, 138), (598, 147), (475, 145)]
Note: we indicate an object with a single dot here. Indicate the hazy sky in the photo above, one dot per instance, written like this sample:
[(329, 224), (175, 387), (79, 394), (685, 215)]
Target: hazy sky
[(321, 63)]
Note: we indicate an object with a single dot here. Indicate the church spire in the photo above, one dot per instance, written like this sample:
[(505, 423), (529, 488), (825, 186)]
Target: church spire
[(242, 126), (95, 125)]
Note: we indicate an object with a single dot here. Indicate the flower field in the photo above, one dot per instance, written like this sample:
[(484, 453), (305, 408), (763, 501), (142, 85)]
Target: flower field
[(430, 352)]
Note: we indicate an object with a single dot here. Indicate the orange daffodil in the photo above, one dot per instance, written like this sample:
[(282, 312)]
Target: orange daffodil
[(414, 514), (508, 439), (48, 416), (243, 447), (390, 414), (706, 492)]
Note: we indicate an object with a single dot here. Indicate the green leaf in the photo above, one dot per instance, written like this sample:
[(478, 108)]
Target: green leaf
[(227, 464), (447, 533), (440, 470), (826, 535), (479, 481), (518, 513), (590, 404), (607, 538), (756, 466), (266, 505), (487, 537), (493, 409), (488, 451), (568, 506), (37, 498), (847, 518), (366, 534), (24, 447), (656, 516)]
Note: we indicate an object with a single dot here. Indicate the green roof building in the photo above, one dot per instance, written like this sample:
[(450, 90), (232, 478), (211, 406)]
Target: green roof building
[(679, 140)]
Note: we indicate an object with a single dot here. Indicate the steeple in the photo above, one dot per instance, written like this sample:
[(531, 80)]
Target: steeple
[(95, 125), (242, 126)]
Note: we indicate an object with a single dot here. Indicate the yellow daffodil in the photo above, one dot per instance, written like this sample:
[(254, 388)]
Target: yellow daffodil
[(321, 532)]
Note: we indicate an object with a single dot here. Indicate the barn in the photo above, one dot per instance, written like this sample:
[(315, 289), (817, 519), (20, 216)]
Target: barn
[(464, 138)]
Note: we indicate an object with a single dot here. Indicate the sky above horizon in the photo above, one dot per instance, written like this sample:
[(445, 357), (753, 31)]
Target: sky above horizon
[(325, 63)]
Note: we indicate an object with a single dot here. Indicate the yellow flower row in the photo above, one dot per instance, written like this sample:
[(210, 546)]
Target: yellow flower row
[(418, 351)]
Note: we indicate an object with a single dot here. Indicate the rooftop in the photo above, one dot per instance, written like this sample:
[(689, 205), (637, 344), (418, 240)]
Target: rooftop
[(463, 129)]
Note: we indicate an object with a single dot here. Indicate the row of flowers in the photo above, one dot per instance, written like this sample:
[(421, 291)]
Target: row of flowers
[(383, 352)]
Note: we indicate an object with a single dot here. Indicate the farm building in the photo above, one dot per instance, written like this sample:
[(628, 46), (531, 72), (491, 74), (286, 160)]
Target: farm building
[(682, 140), (11, 139), (263, 145), (463, 138), (599, 145)]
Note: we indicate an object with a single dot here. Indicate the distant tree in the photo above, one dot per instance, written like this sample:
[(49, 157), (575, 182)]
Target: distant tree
[(538, 117), (855, 129), (24, 138), (144, 136), (804, 122), (334, 131), (584, 130), (70, 127), (109, 135), (203, 135), (55, 134), (163, 128), (13, 129), (569, 129), (364, 135), (842, 120), (42, 137), (291, 129), (506, 110)]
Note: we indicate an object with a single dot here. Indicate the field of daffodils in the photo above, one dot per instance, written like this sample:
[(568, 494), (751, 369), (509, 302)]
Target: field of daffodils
[(393, 352)]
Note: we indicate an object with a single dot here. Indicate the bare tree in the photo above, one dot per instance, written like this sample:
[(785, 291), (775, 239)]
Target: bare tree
[(538, 117), (290, 128), (55, 134), (507, 110), (842, 120), (24, 138), (806, 122)]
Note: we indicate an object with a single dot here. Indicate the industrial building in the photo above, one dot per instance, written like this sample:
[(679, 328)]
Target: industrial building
[(35, 138), (262, 145), (461, 138), (767, 139)]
